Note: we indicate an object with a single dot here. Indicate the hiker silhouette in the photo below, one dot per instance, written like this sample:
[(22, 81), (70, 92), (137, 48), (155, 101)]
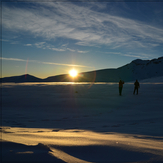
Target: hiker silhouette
[(120, 87), (137, 85)]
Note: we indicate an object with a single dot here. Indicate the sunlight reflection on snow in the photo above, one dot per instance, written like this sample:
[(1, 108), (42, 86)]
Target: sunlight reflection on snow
[(55, 83), (32, 136), (69, 83)]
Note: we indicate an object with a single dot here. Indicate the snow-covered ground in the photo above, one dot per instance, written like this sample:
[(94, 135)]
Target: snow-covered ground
[(82, 122), (156, 80)]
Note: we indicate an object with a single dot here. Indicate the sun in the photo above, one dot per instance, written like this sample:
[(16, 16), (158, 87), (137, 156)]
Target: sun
[(73, 73)]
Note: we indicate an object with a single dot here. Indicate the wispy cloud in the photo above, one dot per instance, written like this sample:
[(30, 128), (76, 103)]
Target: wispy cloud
[(131, 54), (81, 23), (142, 56), (36, 61), (4, 40), (79, 51), (57, 49), (40, 44), (72, 50), (27, 44), (44, 45), (12, 59)]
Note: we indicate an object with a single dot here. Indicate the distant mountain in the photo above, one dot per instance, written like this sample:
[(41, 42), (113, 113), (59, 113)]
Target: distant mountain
[(137, 69), (20, 79)]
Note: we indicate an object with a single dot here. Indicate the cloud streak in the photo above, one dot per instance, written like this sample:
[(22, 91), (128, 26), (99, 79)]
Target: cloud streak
[(44, 45), (49, 63), (130, 54), (87, 27)]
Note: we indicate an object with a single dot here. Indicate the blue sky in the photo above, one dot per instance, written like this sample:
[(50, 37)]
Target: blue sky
[(48, 38)]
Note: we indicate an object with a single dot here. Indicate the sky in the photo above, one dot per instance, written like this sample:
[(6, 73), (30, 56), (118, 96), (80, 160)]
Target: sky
[(48, 38)]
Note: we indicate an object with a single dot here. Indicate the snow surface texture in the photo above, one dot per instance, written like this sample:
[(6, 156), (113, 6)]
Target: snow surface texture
[(82, 123)]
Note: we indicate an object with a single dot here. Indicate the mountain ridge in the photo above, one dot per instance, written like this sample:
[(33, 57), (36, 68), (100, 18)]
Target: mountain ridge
[(137, 69)]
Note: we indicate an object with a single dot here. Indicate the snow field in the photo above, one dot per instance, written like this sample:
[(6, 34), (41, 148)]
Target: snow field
[(83, 122)]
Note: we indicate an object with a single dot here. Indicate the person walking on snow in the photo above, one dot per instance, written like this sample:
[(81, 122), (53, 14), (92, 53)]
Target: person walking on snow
[(120, 87), (137, 85)]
